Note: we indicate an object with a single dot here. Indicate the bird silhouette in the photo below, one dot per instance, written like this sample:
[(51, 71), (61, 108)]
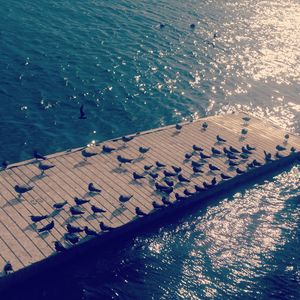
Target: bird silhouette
[(220, 140), (226, 151), (234, 150), (293, 149), (73, 229), (163, 188), (197, 170), (125, 198), (144, 150), (213, 168), (239, 171), (197, 148), (256, 163), (82, 115), (153, 175), (47, 227), (199, 188), (177, 169), (107, 149), (148, 167), (165, 201), (215, 151), (72, 238), (169, 174), (224, 176), (36, 219), (268, 156), (250, 165), (90, 232), (244, 156), (246, 151), (188, 155), (280, 148), (127, 139), (207, 185), (8, 268), (137, 176), (188, 193), (214, 181), (75, 211), (204, 156), (59, 205), (104, 227), (178, 127), (168, 182), (160, 165), (38, 155), (79, 201), (87, 154), (244, 131), (45, 166), (196, 164), (96, 209), (183, 179), (22, 189), (179, 197), (250, 148), (59, 247), (157, 205), (93, 189), (139, 212), (204, 125), (233, 163), (278, 155), (232, 156), (4, 164), (124, 160)]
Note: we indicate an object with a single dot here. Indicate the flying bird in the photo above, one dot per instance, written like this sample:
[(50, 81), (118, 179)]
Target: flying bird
[(280, 148), (82, 115)]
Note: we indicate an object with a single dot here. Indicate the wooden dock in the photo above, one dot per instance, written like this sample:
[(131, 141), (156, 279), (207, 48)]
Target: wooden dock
[(28, 250)]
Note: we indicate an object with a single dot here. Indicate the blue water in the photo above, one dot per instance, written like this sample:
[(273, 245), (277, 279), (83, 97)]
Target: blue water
[(132, 75)]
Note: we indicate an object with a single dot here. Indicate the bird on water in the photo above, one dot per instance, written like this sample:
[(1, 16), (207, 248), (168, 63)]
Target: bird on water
[(82, 115)]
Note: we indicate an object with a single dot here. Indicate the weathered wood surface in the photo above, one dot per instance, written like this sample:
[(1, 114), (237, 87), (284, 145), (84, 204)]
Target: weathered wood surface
[(22, 245)]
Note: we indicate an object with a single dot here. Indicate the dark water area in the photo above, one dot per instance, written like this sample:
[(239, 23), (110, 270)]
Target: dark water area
[(132, 75)]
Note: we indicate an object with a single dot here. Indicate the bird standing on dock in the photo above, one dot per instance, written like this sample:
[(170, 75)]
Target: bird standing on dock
[(44, 167), (286, 138), (59, 247), (234, 150), (96, 209), (89, 231), (93, 189), (177, 169), (144, 150), (197, 170), (60, 205), (36, 219), (126, 139), (168, 182), (245, 150), (165, 201), (4, 164), (73, 229), (178, 127), (244, 132), (107, 149), (48, 227), (157, 205), (169, 174), (125, 198), (204, 125), (188, 155), (213, 168), (204, 156), (104, 227), (139, 212), (148, 167), (38, 155), (224, 176), (8, 268), (160, 165), (75, 211), (197, 148), (82, 115), (79, 201), (280, 148), (22, 189), (182, 179), (124, 160), (250, 148), (220, 140), (87, 154), (239, 171), (246, 120), (137, 176), (153, 175), (215, 151), (72, 238)]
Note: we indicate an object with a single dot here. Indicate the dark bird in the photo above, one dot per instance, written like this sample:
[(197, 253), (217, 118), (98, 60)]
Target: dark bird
[(86, 154), (244, 156), (163, 188), (220, 140), (36, 219), (199, 188), (75, 211), (233, 163), (188, 193), (127, 139), (153, 175), (256, 163), (176, 169), (246, 119), (192, 26), (104, 227), (278, 155), (8, 268), (93, 189), (225, 177), (216, 35), (44, 167), (244, 131), (48, 227), (38, 155), (286, 137), (179, 197), (215, 151), (250, 148), (144, 150), (59, 247), (234, 150), (79, 201), (205, 125), (82, 113), (280, 148), (178, 127), (165, 201), (226, 151), (181, 178), (268, 156), (107, 149), (160, 165), (157, 205), (161, 25), (139, 212), (125, 198), (239, 171), (96, 209), (197, 148), (197, 170), (89, 231), (73, 229), (293, 149), (137, 176), (246, 151), (168, 182), (72, 238), (169, 174), (59, 205), (250, 165), (196, 164), (188, 155), (213, 168), (204, 156), (207, 185), (214, 181), (22, 189), (4, 164), (232, 156), (147, 167), (124, 160)]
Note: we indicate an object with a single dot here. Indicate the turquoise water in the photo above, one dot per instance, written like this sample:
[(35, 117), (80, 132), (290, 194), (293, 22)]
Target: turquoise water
[(132, 75)]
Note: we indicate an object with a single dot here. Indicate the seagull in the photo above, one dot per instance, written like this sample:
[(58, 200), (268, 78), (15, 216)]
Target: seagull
[(181, 178), (246, 151), (204, 125), (75, 211), (239, 171), (59, 247), (220, 140), (107, 149), (22, 189), (197, 170), (199, 188), (89, 231), (250, 148), (165, 201), (197, 148), (86, 154), (60, 205), (139, 212), (72, 238), (144, 150), (73, 229), (157, 205), (196, 164), (37, 155), (8, 268), (169, 174), (36, 219), (215, 151), (44, 167), (233, 163), (246, 119), (178, 127), (93, 189), (82, 113), (176, 169), (213, 168), (280, 148), (168, 182), (234, 150), (127, 139), (137, 176), (160, 165), (203, 156), (104, 227), (225, 177), (48, 227), (124, 160), (79, 201), (188, 155), (147, 167), (125, 198), (96, 209), (153, 175), (4, 164)]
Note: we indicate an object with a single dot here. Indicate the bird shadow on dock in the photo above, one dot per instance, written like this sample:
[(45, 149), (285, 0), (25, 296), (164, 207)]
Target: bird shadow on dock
[(118, 211), (119, 170), (135, 182), (82, 163), (30, 227), (43, 235), (176, 133), (37, 177), (94, 217), (12, 202)]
